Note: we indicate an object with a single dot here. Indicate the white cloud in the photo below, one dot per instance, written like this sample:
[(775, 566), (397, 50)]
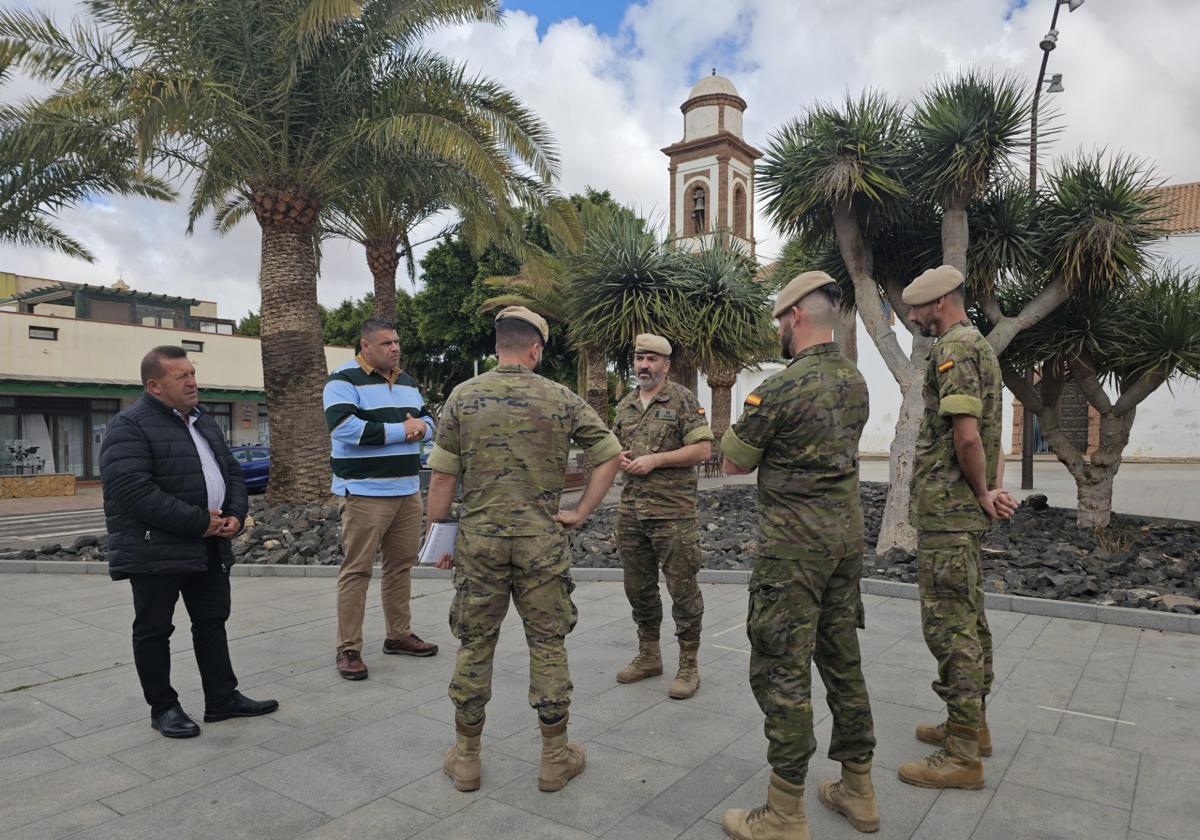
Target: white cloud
[(613, 102)]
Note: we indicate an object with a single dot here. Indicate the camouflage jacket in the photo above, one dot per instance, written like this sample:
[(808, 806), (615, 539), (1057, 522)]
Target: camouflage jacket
[(801, 428), (506, 434), (963, 377), (673, 419)]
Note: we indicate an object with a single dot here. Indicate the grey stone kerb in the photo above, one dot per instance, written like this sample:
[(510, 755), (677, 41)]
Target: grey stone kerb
[(1147, 619)]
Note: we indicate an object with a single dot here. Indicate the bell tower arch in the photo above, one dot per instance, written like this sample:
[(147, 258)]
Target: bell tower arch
[(712, 169)]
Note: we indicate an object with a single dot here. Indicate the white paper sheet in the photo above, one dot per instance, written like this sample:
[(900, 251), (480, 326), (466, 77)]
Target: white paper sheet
[(439, 542)]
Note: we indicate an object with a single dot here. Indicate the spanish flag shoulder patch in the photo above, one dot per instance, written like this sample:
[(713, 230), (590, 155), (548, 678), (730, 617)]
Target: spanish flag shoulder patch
[(945, 366), (754, 399)]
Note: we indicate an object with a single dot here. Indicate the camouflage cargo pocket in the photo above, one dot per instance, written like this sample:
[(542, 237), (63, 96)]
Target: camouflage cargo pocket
[(768, 623), (945, 571), (572, 611)]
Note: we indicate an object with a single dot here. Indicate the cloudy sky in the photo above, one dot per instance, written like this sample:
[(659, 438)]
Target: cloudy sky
[(608, 77)]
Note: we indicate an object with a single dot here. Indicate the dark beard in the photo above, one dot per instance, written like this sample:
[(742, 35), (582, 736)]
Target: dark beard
[(785, 344)]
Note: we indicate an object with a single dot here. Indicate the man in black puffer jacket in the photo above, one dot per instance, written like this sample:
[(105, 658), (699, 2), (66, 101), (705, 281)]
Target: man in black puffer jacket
[(173, 498)]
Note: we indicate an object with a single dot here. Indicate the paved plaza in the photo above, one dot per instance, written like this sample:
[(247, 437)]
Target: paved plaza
[(1096, 728)]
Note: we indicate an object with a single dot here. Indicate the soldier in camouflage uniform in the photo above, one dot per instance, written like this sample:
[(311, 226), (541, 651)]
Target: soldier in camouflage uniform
[(956, 493), (506, 435), (800, 429), (663, 436)]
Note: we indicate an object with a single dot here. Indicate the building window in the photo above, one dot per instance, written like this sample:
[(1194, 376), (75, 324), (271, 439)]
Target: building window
[(223, 414), (739, 212), (44, 333), (192, 346), (264, 430)]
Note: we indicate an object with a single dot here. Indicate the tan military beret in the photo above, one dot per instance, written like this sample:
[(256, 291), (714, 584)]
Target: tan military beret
[(931, 285), (650, 343), (795, 291), (529, 317)]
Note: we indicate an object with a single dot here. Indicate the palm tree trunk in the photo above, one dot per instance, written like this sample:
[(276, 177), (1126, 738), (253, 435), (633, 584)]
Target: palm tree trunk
[(383, 259), (581, 373), (895, 531), (597, 380), (683, 371), (721, 383), (293, 355), (845, 332)]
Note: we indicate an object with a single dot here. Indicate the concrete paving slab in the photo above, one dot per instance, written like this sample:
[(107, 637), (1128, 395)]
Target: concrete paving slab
[(1095, 729), (233, 807), (614, 784), (1082, 771), (1018, 811), (1166, 804)]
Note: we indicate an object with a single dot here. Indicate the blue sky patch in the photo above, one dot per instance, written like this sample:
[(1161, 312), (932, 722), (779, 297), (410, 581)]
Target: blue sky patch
[(605, 15)]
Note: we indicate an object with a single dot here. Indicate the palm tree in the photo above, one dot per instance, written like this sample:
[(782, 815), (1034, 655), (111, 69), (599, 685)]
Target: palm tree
[(47, 167), (262, 102), (403, 190), (877, 180), (557, 240), (621, 283), (839, 175), (725, 318), (1126, 329)]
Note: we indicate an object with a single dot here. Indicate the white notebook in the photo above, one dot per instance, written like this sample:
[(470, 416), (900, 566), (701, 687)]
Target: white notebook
[(439, 542)]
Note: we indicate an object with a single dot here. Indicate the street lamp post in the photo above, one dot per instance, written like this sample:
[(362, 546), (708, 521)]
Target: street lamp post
[(1047, 44)]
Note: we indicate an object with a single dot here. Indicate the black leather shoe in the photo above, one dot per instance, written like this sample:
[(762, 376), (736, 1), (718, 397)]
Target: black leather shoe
[(239, 705), (174, 723)]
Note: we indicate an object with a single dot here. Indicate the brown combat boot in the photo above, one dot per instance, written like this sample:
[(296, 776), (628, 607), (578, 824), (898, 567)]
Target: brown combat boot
[(561, 761), (462, 762), (930, 733), (955, 765), (687, 679), (647, 663), (853, 797), (782, 818)]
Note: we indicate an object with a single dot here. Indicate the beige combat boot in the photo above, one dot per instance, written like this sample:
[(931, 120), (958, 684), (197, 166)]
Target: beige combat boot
[(647, 663), (929, 733), (782, 818), (955, 765), (853, 797), (461, 762), (687, 679), (561, 761)]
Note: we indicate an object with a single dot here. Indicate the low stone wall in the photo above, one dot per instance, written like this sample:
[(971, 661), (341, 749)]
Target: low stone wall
[(31, 486)]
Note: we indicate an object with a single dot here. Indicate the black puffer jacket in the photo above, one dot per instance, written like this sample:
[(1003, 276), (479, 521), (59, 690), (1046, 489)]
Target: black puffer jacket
[(155, 500)]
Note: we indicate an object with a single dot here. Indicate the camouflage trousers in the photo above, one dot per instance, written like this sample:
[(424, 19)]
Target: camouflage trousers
[(800, 612), (535, 573), (645, 545), (950, 579)]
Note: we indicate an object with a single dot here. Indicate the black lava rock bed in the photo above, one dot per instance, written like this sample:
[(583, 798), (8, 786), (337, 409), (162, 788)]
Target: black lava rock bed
[(1040, 553)]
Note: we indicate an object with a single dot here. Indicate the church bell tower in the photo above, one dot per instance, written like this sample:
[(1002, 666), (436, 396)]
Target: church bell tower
[(712, 169)]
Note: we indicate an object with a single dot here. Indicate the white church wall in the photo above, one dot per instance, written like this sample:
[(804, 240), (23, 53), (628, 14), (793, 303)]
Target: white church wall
[(733, 120), (1182, 248), (1167, 424), (701, 121)]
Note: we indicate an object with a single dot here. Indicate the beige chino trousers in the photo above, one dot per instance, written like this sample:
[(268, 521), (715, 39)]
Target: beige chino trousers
[(392, 526)]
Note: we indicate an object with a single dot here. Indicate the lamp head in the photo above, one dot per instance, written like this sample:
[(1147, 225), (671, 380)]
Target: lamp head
[(1050, 41), (1072, 5), (1055, 84)]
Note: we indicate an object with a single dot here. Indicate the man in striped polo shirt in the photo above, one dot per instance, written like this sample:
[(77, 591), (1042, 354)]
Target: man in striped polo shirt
[(377, 420)]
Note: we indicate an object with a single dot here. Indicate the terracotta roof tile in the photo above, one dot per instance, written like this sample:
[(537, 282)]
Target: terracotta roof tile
[(1182, 205)]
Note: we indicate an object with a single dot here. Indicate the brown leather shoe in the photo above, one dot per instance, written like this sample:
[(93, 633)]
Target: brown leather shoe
[(351, 666), (410, 645)]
